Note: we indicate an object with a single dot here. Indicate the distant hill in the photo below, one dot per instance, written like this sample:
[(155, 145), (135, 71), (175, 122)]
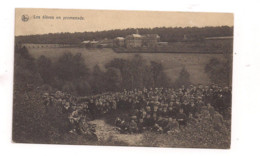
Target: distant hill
[(167, 34)]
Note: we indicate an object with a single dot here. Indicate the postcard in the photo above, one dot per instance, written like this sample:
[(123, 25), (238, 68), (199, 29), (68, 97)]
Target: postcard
[(123, 78)]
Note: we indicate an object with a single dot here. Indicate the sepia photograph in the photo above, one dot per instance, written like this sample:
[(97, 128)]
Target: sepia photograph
[(123, 78)]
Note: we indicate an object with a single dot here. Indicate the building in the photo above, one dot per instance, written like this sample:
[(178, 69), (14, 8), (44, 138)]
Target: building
[(119, 42), (147, 41), (133, 41), (150, 40)]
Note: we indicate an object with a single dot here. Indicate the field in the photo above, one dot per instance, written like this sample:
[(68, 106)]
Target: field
[(172, 62)]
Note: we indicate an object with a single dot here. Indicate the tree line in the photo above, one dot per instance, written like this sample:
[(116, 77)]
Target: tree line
[(167, 34), (70, 74)]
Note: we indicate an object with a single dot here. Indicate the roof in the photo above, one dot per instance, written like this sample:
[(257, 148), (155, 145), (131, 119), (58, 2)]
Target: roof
[(85, 42), (135, 35), (120, 38)]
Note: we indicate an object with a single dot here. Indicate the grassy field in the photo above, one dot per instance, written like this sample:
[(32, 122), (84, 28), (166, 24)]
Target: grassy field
[(172, 63)]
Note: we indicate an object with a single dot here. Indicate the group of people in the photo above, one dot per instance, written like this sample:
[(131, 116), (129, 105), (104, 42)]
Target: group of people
[(163, 110)]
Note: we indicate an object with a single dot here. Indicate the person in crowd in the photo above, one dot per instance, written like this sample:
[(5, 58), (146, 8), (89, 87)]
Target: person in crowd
[(148, 122), (141, 126), (172, 126), (133, 128), (181, 117), (157, 128)]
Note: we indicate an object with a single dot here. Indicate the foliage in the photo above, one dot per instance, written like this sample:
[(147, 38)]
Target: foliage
[(69, 73), (97, 80), (183, 79), (137, 73), (25, 74), (31, 121), (113, 79), (219, 72), (45, 68), (199, 134), (69, 67)]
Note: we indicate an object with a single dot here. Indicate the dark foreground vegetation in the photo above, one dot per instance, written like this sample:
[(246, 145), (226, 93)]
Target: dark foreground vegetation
[(36, 121)]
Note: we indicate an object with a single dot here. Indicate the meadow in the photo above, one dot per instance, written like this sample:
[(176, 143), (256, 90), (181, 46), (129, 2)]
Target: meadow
[(172, 62)]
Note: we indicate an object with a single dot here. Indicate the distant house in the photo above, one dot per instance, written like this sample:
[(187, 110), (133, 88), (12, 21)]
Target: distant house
[(119, 42), (133, 41), (150, 40), (136, 40)]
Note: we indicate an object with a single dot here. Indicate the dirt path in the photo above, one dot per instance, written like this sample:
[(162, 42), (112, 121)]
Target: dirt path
[(106, 132)]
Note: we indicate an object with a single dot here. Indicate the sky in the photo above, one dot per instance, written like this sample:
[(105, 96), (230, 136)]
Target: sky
[(99, 20)]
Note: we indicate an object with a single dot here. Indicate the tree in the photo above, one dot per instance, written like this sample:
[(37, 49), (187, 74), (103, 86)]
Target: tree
[(31, 121), (156, 70), (97, 81), (136, 73), (113, 79), (44, 66), (124, 66), (83, 87), (69, 67), (25, 70), (183, 79), (219, 72), (136, 70), (73, 73)]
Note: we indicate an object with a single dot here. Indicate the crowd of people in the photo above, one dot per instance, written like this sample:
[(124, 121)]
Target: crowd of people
[(163, 110)]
